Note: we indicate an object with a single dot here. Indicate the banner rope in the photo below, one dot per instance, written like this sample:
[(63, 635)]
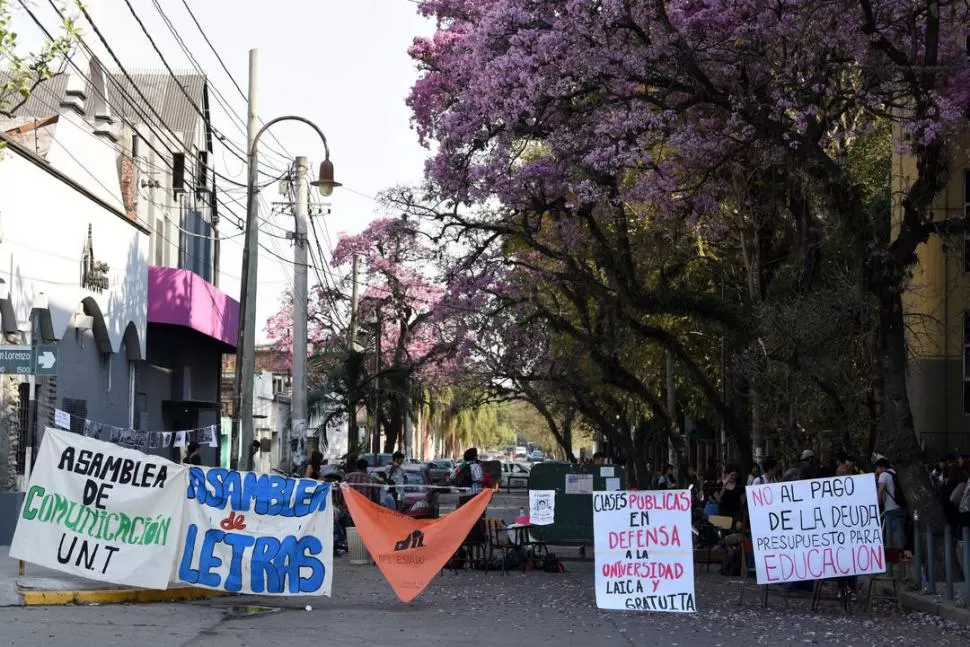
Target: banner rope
[(128, 437)]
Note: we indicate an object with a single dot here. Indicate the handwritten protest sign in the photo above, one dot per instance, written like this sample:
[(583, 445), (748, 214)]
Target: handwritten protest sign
[(101, 511), (257, 533), (542, 507), (644, 551), (816, 529)]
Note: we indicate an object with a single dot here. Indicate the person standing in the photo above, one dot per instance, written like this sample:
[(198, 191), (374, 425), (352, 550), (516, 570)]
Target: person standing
[(395, 476), (314, 466), (361, 481), (470, 477), (770, 474), (807, 466), (193, 454), (731, 495), (893, 503)]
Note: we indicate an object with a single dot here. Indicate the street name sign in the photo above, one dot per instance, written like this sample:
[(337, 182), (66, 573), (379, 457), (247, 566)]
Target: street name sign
[(18, 360), (25, 360)]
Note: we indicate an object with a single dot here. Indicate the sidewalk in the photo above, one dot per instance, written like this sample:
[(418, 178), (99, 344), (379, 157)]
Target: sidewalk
[(43, 586), (953, 610)]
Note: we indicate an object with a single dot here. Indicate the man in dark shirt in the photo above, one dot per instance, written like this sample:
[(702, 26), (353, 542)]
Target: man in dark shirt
[(807, 466)]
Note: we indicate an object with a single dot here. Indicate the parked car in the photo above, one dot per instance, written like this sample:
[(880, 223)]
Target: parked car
[(440, 470), (536, 456), (376, 460), (514, 475), (417, 502)]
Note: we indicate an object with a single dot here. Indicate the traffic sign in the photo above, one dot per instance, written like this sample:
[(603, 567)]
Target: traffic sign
[(18, 360), (45, 360)]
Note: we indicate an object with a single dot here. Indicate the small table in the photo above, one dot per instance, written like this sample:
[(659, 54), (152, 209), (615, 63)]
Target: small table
[(519, 534)]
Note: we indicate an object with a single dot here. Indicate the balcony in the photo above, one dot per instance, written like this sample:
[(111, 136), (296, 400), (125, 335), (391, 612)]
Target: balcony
[(182, 298)]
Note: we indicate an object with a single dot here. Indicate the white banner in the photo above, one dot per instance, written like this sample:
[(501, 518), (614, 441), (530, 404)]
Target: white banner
[(101, 511), (644, 551), (816, 529), (542, 507), (256, 533)]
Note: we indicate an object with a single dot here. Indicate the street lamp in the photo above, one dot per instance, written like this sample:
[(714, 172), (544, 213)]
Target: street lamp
[(242, 430), (326, 184)]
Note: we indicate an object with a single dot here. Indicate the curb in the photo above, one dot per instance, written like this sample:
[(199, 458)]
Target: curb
[(924, 604), (116, 596)]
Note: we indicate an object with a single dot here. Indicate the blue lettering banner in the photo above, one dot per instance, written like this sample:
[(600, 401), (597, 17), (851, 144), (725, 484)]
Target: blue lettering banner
[(256, 533)]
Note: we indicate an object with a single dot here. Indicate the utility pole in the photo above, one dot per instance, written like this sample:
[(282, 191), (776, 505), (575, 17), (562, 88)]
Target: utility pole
[(242, 410), (353, 432), (377, 379), (298, 403), (408, 427), (724, 391), (353, 303)]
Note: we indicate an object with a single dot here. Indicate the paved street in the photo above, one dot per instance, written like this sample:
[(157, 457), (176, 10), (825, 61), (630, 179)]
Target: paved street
[(475, 609)]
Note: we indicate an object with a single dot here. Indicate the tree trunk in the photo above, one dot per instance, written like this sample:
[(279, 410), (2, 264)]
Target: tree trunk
[(393, 429), (897, 434)]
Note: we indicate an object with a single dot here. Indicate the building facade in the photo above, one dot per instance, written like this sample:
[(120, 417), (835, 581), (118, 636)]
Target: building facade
[(73, 266), (937, 312), (110, 251)]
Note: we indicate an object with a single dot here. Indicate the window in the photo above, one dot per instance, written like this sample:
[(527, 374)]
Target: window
[(966, 362), (202, 172), (79, 412), (281, 383), (966, 212), (159, 243), (197, 244)]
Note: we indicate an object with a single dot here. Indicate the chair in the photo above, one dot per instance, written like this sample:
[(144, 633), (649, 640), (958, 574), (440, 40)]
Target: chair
[(841, 595), (894, 557), (747, 572), (498, 541), (724, 526), (475, 547)]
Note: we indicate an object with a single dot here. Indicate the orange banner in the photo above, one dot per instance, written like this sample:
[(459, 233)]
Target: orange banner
[(410, 552)]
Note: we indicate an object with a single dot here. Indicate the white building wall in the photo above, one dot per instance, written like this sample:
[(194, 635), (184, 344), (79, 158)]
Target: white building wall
[(44, 226)]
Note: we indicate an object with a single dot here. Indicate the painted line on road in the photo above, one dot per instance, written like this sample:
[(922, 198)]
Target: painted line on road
[(116, 596)]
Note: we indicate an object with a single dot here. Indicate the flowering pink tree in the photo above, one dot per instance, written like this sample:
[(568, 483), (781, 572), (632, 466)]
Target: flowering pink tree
[(593, 123), (400, 310)]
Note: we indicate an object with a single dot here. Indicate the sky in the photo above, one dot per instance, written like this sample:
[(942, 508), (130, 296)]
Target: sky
[(342, 64)]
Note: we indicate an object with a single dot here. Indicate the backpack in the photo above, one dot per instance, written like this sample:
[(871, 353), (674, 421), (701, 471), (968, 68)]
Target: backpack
[(965, 501), (463, 478), (551, 564), (899, 497)]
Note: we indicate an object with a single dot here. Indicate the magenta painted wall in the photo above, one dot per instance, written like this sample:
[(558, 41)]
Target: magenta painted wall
[(183, 298)]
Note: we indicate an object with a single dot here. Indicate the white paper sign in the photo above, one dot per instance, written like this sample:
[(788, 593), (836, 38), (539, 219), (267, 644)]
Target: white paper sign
[(210, 434), (101, 511), (256, 533), (644, 551), (607, 472), (62, 419), (579, 484), (613, 483), (816, 529), (180, 439), (542, 507)]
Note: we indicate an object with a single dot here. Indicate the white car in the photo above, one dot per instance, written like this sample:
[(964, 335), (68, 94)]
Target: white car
[(514, 475)]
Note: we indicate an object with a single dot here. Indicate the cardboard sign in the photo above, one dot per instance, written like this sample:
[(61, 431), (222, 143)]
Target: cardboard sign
[(644, 551), (411, 552), (256, 533), (101, 511), (816, 529)]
